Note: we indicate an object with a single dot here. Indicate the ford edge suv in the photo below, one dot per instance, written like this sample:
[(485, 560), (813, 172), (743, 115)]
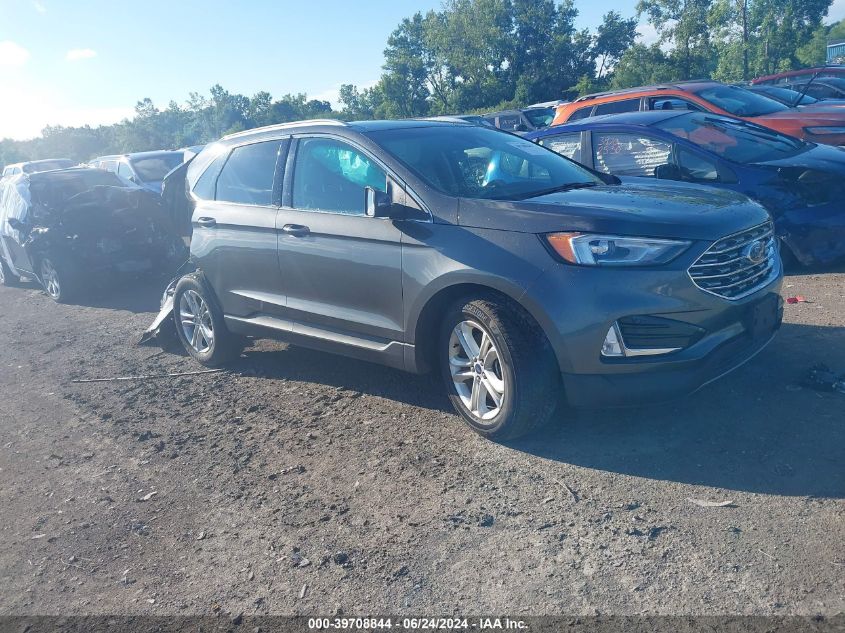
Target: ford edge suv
[(512, 271)]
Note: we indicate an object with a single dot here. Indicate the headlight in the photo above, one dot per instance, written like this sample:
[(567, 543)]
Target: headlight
[(614, 250), (825, 130)]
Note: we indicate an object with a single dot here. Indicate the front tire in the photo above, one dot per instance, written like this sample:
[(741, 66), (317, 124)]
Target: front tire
[(58, 279), (200, 325), (499, 369)]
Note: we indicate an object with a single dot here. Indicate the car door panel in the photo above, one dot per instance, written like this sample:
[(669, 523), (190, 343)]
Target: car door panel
[(235, 244), (343, 276)]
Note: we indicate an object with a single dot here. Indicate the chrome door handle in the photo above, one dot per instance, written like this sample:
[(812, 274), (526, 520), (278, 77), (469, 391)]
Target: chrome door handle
[(297, 230)]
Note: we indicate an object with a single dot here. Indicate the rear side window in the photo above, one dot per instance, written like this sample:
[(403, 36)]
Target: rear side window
[(568, 145), (581, 113), (247, 177), (204, 187), (616, 107), (629, 154), (510, 122), (330, 175)]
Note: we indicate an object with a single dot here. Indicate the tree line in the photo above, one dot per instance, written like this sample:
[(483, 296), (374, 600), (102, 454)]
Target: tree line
[(482, 55)]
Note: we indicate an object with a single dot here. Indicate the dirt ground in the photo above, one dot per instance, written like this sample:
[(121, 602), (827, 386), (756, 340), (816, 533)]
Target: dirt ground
[(302, 483)]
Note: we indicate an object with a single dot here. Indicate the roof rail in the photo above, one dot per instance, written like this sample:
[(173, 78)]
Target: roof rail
[(283, 126)]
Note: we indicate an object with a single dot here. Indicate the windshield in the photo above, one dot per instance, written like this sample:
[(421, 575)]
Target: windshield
[(736, 141), (785, 95), (477, 162), (153, 168), (47, 165), (739, 101), (540, 117)]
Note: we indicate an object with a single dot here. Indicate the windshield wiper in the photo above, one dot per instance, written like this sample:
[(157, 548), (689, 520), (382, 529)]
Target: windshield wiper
[(536, 194)]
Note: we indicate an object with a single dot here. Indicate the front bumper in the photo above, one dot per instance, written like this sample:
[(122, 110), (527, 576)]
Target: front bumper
[(581, 304)]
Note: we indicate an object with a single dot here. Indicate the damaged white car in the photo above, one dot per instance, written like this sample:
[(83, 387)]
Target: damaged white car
[(69, 227)]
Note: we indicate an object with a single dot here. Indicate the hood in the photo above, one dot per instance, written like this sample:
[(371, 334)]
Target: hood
[(821, 157), (805, 116), (636, 207)]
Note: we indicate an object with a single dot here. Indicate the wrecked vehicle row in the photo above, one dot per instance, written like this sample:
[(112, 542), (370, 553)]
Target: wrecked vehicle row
[(71, 228)]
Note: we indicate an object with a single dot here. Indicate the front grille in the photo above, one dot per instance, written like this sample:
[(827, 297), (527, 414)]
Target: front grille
[(726, 268)]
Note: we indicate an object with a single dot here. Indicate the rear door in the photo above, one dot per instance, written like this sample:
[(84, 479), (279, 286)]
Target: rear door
[(234, 233), (342, 270)]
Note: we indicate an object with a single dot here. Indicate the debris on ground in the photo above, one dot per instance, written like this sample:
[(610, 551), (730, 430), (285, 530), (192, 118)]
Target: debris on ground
[(711, 504), (797, 299), (149, 377), (148, 496), (821, 378)]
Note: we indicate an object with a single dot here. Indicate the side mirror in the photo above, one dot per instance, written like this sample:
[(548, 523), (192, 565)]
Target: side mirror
[(377, 204), (668, 172)]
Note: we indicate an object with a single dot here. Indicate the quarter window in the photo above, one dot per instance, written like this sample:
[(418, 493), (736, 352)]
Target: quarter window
[(247, 177), (616, 107), (330, 175), (124, 170), (568, 145), (629, 154)]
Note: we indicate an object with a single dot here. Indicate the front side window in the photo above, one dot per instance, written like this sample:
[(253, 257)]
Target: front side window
[(247, 177), (481, 163), (618, 107), (330, 175), (568, 145), (623, 154)]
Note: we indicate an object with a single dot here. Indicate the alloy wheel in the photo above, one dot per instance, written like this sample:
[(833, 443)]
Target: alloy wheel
[(476, 369), (50, 279), (195, 320)]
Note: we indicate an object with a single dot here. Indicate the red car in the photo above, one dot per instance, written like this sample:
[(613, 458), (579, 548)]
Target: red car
[(792, 76), (825, 125)]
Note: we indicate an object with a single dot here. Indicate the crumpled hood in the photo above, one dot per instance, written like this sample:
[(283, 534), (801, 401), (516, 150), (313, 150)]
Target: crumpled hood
[(636, 207), (821, 157)]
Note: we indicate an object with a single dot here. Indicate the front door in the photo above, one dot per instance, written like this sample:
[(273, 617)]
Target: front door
[(341, 270)]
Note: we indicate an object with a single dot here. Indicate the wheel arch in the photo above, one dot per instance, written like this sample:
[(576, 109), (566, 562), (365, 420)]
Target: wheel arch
[(428, 316)]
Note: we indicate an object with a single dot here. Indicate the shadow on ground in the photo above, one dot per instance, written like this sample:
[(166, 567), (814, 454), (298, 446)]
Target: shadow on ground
[(756, 430)]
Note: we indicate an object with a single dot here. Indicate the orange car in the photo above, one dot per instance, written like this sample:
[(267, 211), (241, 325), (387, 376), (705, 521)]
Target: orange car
[(825, 125)]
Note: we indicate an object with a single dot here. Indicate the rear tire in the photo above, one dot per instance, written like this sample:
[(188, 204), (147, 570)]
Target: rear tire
[(200, 325), (499, 369), (59, 279)]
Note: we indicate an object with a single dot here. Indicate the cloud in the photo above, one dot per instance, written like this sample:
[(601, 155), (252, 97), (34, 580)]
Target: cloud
[(23, 115), (75, 54), (836, 12), (38, 6), (12, 54)]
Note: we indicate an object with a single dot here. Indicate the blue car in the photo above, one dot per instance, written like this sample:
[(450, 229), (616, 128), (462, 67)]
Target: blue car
[(801, 184)]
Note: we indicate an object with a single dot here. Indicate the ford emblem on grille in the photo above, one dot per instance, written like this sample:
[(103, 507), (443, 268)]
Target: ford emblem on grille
[(756, 251)]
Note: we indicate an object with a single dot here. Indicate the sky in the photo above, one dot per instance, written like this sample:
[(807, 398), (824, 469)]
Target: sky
[(89, 62)]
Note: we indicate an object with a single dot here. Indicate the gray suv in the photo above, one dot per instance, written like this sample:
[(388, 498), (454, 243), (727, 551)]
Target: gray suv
[(510, 270)]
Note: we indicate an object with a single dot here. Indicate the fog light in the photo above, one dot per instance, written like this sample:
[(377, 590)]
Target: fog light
[(612, 345)]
